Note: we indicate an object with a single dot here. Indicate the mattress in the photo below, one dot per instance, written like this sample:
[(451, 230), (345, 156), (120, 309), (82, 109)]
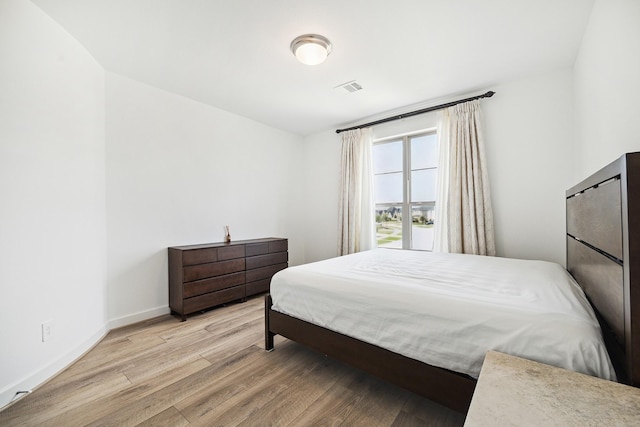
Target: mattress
[(448, 310)]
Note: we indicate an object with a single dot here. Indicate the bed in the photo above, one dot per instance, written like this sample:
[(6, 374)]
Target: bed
[(308, 303)]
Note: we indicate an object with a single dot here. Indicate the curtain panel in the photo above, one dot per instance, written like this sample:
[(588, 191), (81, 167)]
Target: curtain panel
[(464, 220), (356, 204)]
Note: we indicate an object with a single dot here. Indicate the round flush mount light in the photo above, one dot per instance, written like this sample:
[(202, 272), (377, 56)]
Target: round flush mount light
[(311, 49)]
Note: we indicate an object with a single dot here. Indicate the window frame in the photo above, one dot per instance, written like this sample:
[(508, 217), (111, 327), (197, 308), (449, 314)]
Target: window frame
[(406, 204)]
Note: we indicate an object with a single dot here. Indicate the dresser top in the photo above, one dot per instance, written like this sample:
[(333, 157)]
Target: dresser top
[(223, 244), (516, 391)]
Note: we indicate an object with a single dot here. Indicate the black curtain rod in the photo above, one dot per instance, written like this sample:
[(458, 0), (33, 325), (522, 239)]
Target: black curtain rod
[(415, 113)]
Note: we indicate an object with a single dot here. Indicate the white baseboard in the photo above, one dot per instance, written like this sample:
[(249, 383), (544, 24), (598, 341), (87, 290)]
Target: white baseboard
[(137, 317), (10, 393)]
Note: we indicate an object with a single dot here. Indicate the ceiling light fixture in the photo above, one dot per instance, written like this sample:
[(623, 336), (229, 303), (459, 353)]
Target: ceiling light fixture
[(311, 49)]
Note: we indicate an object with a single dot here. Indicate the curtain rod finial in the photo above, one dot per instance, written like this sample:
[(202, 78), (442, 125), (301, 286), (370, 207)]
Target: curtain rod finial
[(489, 94)]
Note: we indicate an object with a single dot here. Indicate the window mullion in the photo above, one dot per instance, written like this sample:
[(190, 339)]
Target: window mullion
[(406, 203)]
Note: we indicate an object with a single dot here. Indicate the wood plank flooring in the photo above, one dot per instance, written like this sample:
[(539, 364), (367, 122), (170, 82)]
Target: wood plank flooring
[(212, 370)]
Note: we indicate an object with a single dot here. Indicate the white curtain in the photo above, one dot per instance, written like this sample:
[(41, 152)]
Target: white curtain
[(440, 238), (356, 207), (464, 217)]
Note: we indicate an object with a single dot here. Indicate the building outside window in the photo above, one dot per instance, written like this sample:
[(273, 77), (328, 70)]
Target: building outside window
[(405, 176)]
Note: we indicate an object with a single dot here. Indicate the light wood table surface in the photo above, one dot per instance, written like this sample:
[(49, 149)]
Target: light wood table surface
[(512, 391)]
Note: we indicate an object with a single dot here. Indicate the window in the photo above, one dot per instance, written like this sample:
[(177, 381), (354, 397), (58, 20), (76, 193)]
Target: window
[(405, 174)]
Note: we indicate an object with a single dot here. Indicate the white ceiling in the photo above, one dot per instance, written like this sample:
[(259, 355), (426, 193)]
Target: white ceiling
[(234, 54)]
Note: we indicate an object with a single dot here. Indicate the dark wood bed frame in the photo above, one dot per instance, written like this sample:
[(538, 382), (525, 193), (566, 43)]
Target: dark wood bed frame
[(603, 254)]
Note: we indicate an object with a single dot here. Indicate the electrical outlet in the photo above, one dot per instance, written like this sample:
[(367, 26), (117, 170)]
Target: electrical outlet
[(47, 328)]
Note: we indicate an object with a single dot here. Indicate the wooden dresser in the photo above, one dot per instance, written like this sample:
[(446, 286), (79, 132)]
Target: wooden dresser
[(203, 276)]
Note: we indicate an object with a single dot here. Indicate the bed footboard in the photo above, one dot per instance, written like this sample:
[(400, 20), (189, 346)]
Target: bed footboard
[(448, 388)]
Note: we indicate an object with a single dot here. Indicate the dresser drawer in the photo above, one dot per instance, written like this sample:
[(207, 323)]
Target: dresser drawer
[(204, 286), (258, 287), (264, 272), (266, 260), (199, 256), (257, 249), (213, 298), (262, 248), (231, 252), (203, 271), (278, 246)]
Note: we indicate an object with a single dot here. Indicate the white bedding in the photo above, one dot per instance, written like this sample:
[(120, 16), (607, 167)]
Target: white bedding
[(448, 310)]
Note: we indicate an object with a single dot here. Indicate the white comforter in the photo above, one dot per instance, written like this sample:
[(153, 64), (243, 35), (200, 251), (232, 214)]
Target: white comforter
[(448, 310)]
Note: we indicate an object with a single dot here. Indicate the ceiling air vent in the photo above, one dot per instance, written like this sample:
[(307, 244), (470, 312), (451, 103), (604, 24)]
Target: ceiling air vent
[(350, 87)]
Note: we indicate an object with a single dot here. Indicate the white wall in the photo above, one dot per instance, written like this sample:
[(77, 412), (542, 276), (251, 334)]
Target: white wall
[(607, 86), (528, 130), (321, 164), (178, 171), (52, 187), (98, 175)]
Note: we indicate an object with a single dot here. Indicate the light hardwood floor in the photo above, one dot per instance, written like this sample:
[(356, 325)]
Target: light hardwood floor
[(212, 370)]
